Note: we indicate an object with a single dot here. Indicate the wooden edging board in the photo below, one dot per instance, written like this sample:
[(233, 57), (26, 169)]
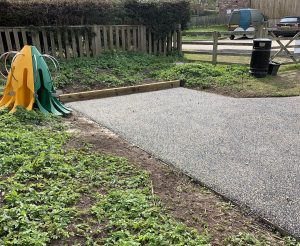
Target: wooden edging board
[(96, 94)]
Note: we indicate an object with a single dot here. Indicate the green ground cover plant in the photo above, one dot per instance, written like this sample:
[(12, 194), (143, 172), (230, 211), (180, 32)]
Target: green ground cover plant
[(112, 69), (51, 193), (121, 69), (115, 69), (204, 75)]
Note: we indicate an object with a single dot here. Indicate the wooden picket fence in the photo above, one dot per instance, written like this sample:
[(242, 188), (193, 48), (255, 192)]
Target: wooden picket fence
[(85, 41)]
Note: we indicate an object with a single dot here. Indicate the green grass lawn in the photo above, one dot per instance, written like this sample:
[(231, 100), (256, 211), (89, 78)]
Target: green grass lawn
[(123, 69), (213, 28), (206, 37), (44, 184), (225, 59)]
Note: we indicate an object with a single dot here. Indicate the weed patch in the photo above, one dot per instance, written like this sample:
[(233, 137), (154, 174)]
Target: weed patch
[(42, 184), (202, 75), (111, 70), (244, 239)]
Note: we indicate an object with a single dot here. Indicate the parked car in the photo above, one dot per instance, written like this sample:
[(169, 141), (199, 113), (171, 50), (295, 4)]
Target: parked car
[(288, 26), (245, 19)]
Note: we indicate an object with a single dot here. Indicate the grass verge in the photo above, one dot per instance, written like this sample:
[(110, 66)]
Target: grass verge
[(231, 80), (52, 194), (213, 28)]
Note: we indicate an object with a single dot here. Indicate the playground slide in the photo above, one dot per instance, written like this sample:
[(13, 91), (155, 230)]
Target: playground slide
[(29, 84)]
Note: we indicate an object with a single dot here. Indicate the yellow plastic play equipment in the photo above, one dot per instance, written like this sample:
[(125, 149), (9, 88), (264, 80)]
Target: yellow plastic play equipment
[(19, 90), (29, 83)]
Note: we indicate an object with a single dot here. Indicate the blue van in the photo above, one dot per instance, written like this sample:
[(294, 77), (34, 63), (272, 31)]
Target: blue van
[(244, 19)]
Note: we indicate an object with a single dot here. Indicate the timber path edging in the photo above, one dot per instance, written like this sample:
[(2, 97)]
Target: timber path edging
[(120, 91)]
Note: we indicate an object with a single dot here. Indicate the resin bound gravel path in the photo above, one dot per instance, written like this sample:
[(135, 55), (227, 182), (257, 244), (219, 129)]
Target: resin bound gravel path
[(248, 150)]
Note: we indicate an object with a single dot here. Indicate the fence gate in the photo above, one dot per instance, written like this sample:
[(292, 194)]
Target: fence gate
[(284, 47)]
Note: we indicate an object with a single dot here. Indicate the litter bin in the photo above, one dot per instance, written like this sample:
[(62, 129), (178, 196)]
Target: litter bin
[(273, 68), (261, 53)]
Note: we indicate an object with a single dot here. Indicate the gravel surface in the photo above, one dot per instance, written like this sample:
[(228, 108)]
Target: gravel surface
[(246, 149)]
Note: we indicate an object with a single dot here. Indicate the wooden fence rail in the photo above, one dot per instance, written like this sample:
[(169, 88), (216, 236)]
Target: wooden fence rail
[(280, 51), (85, 41)]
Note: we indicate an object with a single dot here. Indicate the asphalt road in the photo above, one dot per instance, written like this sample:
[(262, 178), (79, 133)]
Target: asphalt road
[(246, 149)]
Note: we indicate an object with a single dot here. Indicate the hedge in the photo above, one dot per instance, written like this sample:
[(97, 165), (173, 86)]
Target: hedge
[(161, 16)]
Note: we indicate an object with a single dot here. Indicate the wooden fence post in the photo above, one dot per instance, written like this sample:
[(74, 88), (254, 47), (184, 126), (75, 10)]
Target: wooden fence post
[(149, 41), (52, 43), (16, 38), (96, 40), (259, 32), (265, 32), (105, 38), (36, 40), (143, 38), (24, 37), (67, 45), (179, 39), (117, 37), (111, 38), (60, 46), (123, 38), (45, 41), (8, 40), (215, 48), (1, 44)]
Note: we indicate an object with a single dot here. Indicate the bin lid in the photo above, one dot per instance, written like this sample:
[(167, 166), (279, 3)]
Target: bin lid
[(262, 40), (262, 43)]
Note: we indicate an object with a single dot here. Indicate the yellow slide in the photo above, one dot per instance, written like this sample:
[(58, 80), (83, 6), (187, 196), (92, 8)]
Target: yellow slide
[(19, 90)]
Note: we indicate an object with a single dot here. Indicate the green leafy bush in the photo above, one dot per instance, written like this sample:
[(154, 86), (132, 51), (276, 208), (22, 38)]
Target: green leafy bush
[(161, 16)]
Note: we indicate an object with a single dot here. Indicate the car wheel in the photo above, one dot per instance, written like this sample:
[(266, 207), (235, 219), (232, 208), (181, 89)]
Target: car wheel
[(231, 37)]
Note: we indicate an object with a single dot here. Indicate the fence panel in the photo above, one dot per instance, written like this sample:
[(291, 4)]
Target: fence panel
[(276, 9), (85, 41)]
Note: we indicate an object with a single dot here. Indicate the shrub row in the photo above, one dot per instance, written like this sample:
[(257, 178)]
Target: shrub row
[(162, 16)]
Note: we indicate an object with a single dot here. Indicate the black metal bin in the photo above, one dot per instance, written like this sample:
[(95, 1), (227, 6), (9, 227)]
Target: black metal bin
[(260, 58)]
